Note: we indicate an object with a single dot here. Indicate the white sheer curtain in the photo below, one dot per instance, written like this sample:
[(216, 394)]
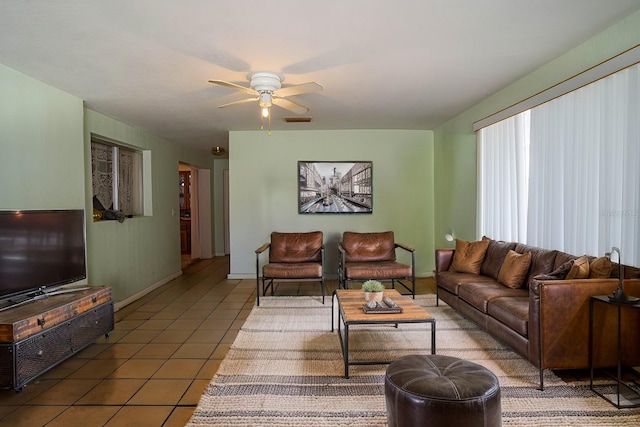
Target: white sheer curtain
[(584, 193), (503, 168)]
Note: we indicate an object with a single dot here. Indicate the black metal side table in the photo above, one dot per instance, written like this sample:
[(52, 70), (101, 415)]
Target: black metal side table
[(621, 394)]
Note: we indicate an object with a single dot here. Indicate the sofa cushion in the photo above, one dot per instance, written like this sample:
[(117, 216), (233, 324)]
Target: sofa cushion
[(542, 261), (514, 269), (600, 268), (452, 280), (562, 258), (478, 295), (468, 256), (512, 311), (493, 259), (579, 270), (629, 272), (293, 270), (379, 270)]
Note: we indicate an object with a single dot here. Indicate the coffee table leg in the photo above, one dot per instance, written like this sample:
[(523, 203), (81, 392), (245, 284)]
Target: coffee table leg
[(332, 314), (433, 337), (345, 352)]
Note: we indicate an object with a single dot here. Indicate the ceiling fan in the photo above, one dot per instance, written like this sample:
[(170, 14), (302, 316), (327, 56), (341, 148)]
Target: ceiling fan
[(266, 88)]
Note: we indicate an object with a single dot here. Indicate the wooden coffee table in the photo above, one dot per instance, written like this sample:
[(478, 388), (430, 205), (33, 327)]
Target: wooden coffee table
[(350, 312)]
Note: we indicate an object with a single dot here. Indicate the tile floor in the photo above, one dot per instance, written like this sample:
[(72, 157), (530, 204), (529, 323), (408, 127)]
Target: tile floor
[(154, 366)]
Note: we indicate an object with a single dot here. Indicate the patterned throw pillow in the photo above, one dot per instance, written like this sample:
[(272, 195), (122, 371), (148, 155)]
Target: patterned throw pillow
[(514, 269), (468, 256)]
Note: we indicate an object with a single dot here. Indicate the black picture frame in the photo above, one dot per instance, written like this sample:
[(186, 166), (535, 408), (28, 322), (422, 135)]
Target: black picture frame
[(335, 187)]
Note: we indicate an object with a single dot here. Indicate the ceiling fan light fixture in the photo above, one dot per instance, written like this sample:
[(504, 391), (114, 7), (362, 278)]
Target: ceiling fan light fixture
[(266, 88), (265, 99)]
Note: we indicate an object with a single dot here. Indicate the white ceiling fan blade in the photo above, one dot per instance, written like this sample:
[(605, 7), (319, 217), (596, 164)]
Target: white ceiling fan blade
[(242, 101), (290, 105), (299, 89), (246, 90)]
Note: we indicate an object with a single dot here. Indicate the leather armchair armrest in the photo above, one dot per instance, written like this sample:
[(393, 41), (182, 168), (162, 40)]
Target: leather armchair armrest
[(444, 257), (262, 248), (405, 247), (413, 257)]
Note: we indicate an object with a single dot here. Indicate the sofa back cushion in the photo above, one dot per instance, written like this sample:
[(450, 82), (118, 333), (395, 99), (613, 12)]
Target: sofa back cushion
[(493, 259), (369, 247), (542, 261), (468, 256), (563, 258), (295, 247)]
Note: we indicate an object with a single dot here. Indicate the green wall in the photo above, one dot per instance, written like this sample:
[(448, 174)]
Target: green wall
[(41, 145), (455, 141), (264, 198)]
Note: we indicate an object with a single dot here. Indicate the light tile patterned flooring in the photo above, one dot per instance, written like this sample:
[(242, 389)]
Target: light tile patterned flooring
[(155, 365)]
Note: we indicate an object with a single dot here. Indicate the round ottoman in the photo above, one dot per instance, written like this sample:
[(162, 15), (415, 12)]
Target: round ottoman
[(441, 391)]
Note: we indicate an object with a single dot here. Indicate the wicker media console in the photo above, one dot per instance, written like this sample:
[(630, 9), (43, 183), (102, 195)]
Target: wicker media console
[(38, 335)]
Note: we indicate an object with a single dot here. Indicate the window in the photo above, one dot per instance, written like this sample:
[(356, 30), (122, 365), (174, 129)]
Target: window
[(116, 173), (576, 185)]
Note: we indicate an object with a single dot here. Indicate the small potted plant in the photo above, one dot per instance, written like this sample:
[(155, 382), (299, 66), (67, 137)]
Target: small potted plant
[(373, 290)]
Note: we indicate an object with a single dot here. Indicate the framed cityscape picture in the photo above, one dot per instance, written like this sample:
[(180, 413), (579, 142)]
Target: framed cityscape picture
[(335, 187)]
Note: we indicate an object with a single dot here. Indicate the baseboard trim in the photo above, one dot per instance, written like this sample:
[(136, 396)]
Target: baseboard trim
[(242, 276), (125, 302)]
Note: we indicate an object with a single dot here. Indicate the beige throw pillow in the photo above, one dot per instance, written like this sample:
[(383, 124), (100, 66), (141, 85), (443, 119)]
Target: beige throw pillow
[(600, 268), (514, 269), (579, 270), (468, 256)]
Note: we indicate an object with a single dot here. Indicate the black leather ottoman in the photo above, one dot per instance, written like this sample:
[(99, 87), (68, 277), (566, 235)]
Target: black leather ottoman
[(439, 390)]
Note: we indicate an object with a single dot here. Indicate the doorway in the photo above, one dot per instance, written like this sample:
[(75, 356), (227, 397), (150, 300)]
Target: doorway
[(184, 191), (195, 213)]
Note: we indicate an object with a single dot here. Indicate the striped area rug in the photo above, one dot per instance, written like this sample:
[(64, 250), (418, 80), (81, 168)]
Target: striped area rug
[(285, 369)]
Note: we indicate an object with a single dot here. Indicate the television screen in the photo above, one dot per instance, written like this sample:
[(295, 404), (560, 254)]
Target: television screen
[(40, 249)]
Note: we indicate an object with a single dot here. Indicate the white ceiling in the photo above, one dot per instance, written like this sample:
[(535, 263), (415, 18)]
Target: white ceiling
[(407, 64)]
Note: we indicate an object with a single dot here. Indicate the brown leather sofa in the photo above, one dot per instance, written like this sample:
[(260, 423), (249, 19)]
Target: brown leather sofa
[(546, 319)]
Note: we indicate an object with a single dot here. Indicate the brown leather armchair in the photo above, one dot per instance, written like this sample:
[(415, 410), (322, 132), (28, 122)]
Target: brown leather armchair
[(364, 256), (293, 257)]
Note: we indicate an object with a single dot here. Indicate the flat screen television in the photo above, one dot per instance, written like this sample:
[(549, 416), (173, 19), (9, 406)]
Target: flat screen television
[(40, 249)]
